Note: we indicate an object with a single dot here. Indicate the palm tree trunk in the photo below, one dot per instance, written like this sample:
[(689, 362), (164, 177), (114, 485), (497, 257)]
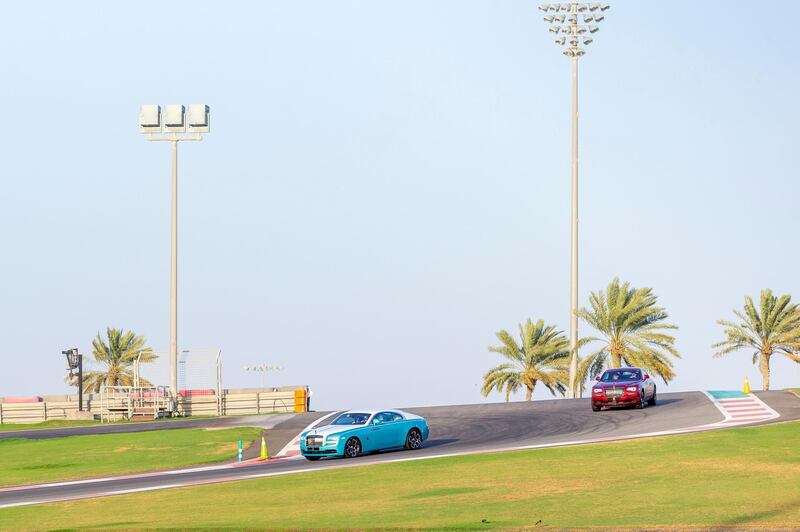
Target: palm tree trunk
[(616, 354), (765, 371), (529, 391)]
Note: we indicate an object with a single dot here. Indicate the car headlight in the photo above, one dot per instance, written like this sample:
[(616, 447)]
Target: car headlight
[(332, 439), (597, 390), (632, 389)]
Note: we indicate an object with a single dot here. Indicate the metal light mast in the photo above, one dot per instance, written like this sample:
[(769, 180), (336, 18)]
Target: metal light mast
[(172, 129), (565, 20)]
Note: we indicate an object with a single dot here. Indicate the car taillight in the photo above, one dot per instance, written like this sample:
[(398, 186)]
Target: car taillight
[(597, 390), (632, 389)]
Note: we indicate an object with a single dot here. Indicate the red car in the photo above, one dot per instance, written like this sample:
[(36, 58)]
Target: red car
[(623, 387)]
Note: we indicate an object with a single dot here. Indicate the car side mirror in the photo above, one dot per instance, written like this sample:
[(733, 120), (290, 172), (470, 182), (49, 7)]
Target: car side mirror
[(597, 378), (646, 376)]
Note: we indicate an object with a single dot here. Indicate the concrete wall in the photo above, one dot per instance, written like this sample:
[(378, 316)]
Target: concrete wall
[(232, 402)]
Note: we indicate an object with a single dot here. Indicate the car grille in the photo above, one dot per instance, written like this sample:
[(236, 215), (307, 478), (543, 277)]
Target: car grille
[(314, 441), (613, 392)]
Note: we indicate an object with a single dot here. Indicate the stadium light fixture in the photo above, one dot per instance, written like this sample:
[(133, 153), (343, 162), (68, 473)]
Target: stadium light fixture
[(174, 126), (572, 37)]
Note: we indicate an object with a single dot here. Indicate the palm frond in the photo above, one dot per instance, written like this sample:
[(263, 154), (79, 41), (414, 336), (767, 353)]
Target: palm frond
[(539, 356), (631, 323)]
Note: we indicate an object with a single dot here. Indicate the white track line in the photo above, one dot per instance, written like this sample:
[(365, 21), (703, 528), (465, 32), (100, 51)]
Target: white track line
[(727, 422), (154, 473), (120, 477), (362, 463)]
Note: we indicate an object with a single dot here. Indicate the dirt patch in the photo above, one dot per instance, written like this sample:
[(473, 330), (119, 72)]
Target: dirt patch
[(775, 470)]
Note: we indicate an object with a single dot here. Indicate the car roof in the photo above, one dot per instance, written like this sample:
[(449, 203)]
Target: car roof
[(622, 369), (371, 411)]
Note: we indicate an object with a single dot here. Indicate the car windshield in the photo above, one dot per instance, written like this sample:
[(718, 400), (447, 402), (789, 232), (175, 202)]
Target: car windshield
[(351, 418), (622, 375)]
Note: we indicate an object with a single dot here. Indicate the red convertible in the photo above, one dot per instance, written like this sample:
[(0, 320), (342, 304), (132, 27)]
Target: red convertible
[(623, 387)]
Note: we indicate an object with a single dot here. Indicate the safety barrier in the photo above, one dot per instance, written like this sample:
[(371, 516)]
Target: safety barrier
[(233, 402)]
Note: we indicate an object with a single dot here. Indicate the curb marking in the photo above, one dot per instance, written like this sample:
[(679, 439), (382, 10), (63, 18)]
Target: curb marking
[(292, 448), (742, 410)]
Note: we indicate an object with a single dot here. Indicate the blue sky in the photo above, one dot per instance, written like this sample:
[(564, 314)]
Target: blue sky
[(387, 183)]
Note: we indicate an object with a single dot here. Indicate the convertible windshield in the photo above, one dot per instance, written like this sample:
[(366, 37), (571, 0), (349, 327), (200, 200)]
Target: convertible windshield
[(351, 418), (622, 375)]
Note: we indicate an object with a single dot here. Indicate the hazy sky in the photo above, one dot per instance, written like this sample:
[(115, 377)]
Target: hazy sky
[(387, 184)]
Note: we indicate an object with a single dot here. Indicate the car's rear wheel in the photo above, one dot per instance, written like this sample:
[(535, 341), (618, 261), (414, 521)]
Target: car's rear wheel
[(652, 400), (352, 448), (313, 458), (413, 439)]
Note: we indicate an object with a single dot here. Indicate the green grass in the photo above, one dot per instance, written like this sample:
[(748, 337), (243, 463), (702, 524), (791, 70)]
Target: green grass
[(26, 461), (745, 478), (796, 391)]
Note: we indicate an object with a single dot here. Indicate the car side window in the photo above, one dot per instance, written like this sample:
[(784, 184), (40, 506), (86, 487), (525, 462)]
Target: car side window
[(396, 416), (381, 418)]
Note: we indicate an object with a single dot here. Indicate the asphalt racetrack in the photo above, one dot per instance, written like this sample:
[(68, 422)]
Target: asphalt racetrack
[(454, 430)]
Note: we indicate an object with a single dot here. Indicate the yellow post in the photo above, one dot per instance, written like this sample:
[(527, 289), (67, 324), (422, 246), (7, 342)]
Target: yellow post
[(746, 385), (263, 448)]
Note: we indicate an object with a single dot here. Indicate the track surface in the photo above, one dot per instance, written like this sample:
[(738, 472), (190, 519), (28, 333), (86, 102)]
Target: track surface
[(267, 421), (454, 430)]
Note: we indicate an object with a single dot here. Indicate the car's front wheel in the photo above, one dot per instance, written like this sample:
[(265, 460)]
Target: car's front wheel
[(596, 408), (652, 400), (352, 448), (642, 402), (313, 458), (413, 439)]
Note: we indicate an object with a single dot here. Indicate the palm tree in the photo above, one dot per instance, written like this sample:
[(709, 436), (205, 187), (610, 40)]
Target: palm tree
[(541, 357), (771, 329), (632, 328), (119, 354)]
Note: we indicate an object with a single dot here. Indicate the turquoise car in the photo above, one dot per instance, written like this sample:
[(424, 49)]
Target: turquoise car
[(362, 431)]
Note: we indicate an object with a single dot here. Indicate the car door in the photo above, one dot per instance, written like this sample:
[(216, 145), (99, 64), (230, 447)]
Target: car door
[(396, 430), (380, 431), (649, 387)]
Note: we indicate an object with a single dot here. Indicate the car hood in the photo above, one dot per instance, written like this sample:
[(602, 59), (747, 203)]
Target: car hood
[(610, 384), (329, 430)]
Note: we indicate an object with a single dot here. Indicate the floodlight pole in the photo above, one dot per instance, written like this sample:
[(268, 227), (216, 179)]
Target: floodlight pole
[(572, 34), (573, 287), (173, 278)]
